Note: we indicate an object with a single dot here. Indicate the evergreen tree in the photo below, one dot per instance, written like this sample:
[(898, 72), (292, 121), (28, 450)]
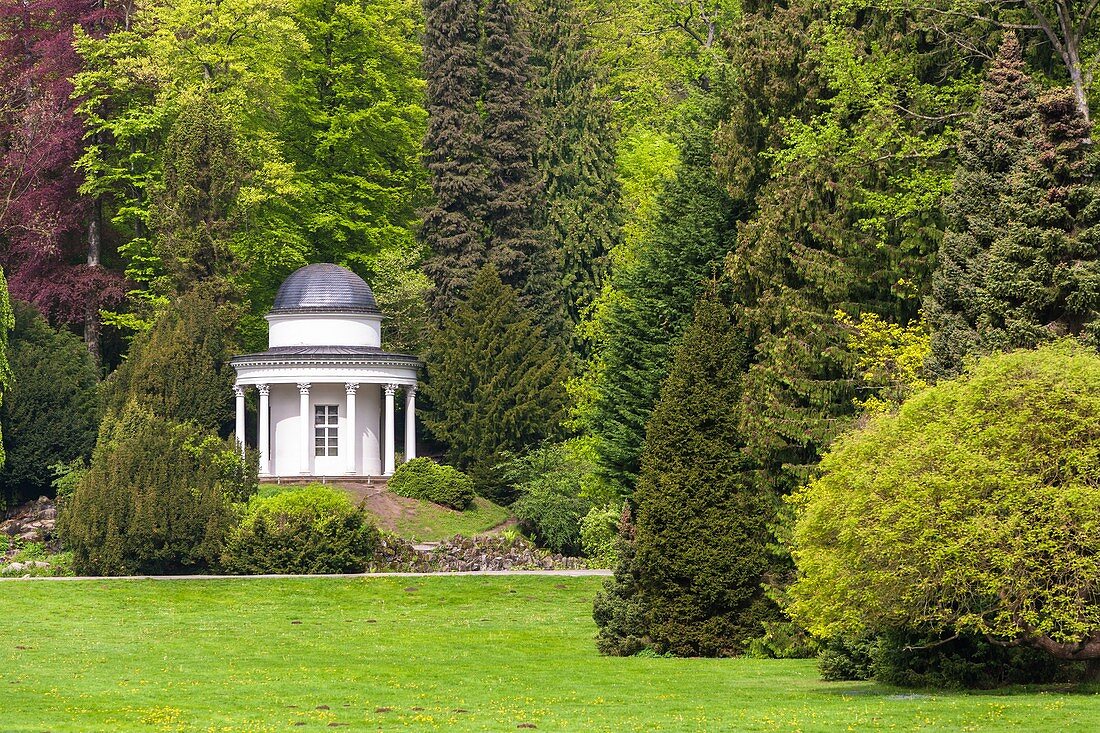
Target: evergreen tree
[(179, 369), (653, 302), (453, 223), (1003, 130), (51, 412), (579, 209), (1019, 264), (495, 384), (157, 497), (702, 523)]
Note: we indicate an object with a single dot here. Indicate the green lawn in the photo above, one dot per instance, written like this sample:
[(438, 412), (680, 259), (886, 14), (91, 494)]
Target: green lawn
[(418, 654), (429, 521)]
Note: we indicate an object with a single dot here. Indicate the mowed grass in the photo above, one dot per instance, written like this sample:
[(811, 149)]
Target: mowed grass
[(430, 521), (417, 654)]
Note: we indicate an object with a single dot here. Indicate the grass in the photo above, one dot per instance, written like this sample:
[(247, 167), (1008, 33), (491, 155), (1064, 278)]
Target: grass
[(434, 522), (418, 654)]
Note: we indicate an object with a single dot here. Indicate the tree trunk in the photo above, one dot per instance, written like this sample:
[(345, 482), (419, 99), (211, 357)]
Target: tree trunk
[(91, 312), (1092, 670)]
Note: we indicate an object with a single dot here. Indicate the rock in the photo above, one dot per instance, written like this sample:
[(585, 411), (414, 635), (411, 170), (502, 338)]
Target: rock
[(15, 567)]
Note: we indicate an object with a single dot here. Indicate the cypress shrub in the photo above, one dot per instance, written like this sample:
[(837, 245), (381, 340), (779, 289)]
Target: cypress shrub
[(310, 530), (702, 523), (51, 411), (423, 478), (157, 497)]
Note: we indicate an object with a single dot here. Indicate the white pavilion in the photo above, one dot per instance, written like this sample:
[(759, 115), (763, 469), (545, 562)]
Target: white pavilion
[(326, 387)]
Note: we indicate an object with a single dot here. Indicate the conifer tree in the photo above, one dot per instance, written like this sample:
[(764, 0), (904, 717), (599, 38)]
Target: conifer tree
[(453, 223), (579, 208), (702, 523), (656, 292), (51, 411), (1019, 264), (495, 383)]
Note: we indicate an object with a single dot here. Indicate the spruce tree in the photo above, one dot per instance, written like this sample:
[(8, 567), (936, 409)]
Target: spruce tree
[(702, 523), (494, 383), (656, 292), (1019, 264), (1003, 130), (579, 209), (453, 224)]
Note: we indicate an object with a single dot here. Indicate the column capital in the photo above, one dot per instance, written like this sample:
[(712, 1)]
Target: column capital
[(350, 387), (303, 387), (391, 389), (265, 389), (238, 390), (410, 389)]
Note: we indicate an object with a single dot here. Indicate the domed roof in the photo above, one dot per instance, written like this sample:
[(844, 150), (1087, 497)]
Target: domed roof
[(324, 287)]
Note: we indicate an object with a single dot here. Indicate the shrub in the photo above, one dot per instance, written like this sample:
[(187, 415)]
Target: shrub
[(847, 659), (973, 509), (309, 530), (618, 609), (550, 485), (423, 478), (51, 411), (598, 535), (156, 498)]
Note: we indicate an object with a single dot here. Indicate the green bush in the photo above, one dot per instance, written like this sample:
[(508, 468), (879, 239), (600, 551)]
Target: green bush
[(598, 535), (51, 412), (157, 498), (423, 478), (973, 509), (309, 530), (847, 659), (550, 485), (618, 609)]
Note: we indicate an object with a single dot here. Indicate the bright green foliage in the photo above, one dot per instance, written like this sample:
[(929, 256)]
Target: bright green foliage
[(180, 368), (652, 302), (702, 524), (423, 478), (495, 385), (51, 411), (1020, 263), (7, 322), (890, 359), (194, 213), (598, 535), (972, 509), (156, 499), (309, 530), (551, 502), (579, 209)]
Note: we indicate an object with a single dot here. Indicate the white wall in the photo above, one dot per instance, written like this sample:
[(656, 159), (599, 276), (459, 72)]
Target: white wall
[(286, 428), (324, 330)]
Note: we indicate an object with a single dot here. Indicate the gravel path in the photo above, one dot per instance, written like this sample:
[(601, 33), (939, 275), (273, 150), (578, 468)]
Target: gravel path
[(562, 573)]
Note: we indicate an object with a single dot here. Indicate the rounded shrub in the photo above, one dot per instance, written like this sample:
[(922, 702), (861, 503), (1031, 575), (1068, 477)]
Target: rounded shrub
[(314, 529), (973, 510), (423, 478)]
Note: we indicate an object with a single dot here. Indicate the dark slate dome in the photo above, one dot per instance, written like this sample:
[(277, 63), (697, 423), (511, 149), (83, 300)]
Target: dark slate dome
[(323, 288)]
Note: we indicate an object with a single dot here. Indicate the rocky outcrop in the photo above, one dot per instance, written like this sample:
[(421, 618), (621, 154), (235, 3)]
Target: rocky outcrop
[(470, 553), (35, 521)]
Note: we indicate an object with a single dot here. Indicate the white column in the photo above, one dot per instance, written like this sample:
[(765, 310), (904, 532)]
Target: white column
[(238, 390), (410, 422), (307, 425), (372, 436), (264, 429), (353, 432), (388, 450)]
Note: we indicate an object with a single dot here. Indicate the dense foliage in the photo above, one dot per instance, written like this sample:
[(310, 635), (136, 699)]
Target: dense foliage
[(51, 412), (7, 322), (157, 497), (495, 384), (309, 530), (971, 510), (423, 478)]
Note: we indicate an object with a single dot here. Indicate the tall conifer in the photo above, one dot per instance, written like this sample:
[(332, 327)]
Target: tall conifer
[(453, 223)]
